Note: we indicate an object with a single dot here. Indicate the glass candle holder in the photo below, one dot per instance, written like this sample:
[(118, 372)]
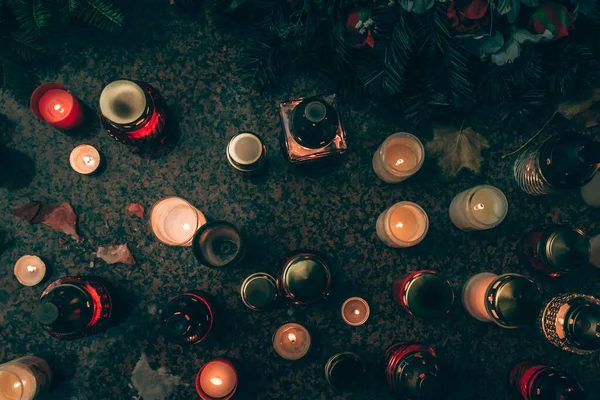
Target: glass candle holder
[(400, 156), (291, 341), (345, 372), (590, 193), (174, 221), (478, 208), (412, 371), (218, 244), (84, 159), (305, 278), (509, 300), (424, 294), (187, 318), (571, 322), (54, 104), (30, 270), (532, 381), (132, 112), (259, 291), (404, 224), (595, 251), (355, 311), (247, 153), (24, 378), (555, 250), (217, 380), (74, 307)]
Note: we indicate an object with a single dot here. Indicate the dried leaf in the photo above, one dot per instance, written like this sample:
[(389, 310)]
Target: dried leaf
[(152, 384), (116, 254), (137, 209), (59, 217), (62, 240), (27, 212), (570, 109), (589, 118), (457, 149)]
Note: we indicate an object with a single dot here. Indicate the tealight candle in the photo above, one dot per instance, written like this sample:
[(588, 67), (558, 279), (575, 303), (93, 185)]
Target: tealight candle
[(24, 378), (404, 224), (399, 156), (84, 159), (291, 341), (478, 208), (355, 311), (54, 104), (174, 221), (217, 380), (246, 153), (30, 270)]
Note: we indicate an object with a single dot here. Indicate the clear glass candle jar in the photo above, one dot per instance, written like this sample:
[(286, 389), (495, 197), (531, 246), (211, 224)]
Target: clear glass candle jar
[(24, 378), (174, 221), (218, 244), (400, 156), (481, 207), (532, 381), (404, 224)]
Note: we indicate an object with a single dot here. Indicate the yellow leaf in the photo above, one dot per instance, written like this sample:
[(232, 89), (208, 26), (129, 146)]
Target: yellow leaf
[(457, 149)]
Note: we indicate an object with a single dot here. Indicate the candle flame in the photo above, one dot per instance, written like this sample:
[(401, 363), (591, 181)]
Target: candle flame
[(89, 160), (400, 161), (479, 206), (399, 225), (216, 381), (59, 108), (186, 227), (356, 312), (31, 268), (292, 338), (17, 384)]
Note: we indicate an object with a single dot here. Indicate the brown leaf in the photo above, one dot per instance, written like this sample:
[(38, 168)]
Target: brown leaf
[(61, 240), (457, 149), (137, 209), (570, 109), (59, 217), (116, 254), (27, 212)]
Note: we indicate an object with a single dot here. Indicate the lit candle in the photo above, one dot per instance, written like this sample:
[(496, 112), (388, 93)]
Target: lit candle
[(217, 380), (54, 104), (399, 156), (174, 221), (24, 378), (246, 152), (30, 270), (478, 208), (84, 159), (355, 311), (474, 293), (424, 294), (404, 224), (291, 341)]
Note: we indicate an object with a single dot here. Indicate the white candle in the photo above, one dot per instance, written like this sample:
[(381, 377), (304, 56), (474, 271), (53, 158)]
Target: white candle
[(123, 101), (404, 224), (478, 208), (244, 150), (291, 341), (84, 159), (18, 381), (218, 379), (355, 311), (591, 192), (30, 270), (474, 295), (174, 221), (400, 156)]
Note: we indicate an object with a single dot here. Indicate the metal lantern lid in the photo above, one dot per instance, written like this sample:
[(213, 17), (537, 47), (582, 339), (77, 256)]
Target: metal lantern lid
[(218, 244), (555, 385), (418, 374), (314, 123), (124, 102), (566, 248), (429, 295), (513, 300), (305, 278), (259, 291), (187, 318), (583, 326), (345, 371)]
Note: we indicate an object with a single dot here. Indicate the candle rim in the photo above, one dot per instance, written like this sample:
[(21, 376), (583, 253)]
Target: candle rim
[(501, 196), (77, 150), (39, 92), (419, 209), (17, 266), (116, 88), (367, 311), (420, 154), (235, 140), (200, 220), (203, 395), (293, 325)]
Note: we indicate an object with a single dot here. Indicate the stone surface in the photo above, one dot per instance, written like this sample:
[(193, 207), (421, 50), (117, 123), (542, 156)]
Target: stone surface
[(193, 63)]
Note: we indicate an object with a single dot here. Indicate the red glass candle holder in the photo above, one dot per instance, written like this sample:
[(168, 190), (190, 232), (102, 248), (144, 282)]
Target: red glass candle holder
[(54, 104), (222, 382), (412, 371), (424, 294), (531, 381)]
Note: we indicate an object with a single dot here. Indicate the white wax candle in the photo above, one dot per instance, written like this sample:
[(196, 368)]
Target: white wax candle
[(218, 379), (591, 192), (478, 208), (474, 295), (30, 270), (122, 101), (402, 225), (84, 159), (291, 341), (355, 311), (174, 221), (245, 149), (399, 156)]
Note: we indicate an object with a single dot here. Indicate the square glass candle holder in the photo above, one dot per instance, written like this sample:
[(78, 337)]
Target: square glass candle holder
[(311, 130)]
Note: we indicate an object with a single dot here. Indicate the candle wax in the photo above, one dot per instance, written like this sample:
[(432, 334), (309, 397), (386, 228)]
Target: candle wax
[(180, 223), (488, 206), (55, 105), (400, 156), (355, 311), (474, 296), (405, 223), (84, 159), (30, 270), (19, 384), (218, 379), (292, 341)]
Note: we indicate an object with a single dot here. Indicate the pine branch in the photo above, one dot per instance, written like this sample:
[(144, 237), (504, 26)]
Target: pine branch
[(261, 64), (26, 45), (102, 15), (459, 73), (33, 15)]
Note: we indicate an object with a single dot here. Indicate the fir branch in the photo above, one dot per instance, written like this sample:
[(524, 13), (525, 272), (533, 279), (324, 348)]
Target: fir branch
[(459, 73), (102, 15), (26, 45), (261, 64), (33, 15)]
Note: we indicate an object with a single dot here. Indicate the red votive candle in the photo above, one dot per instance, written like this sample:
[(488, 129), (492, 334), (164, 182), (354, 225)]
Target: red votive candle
[(217, 380), (54, 104)]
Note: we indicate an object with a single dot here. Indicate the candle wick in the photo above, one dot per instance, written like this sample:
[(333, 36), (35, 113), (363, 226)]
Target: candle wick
[(292, 338), (399, 225), (31, 268), (357, 312), (58, 108), (216, 381), (479, 206), (400, 161)]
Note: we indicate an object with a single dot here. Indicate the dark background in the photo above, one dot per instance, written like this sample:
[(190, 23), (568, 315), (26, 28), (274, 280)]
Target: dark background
[(193, 62)]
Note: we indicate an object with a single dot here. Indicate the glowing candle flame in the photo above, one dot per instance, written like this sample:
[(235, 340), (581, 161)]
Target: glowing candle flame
[(400, 161), (59, 108), (89, 160), (186, 227), (292, 338), (356, 312), (216, 381), (399, 225), (17, 384), (479, 206), (31, 268)]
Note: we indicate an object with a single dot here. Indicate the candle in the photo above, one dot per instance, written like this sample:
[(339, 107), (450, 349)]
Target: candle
[(259, 291), (478, 208), (84, 159), (474, 293), (595, 251), (400, 156), (591, 191), (424, 294), (217, 380), (218, 244), (30, 270), (412, 371), (355, 311), (54, 104), (404, 224), (291, 341), (345, 371), (305, 278), (24, 378), (174, 221), (246, 152)]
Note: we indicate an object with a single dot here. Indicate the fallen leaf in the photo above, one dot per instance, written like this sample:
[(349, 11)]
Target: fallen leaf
[(59, 217), (61, 240), (589, 118), (136, 209), (27, 212), (152, 384), (457, 149), (115, 254), (570, 109)]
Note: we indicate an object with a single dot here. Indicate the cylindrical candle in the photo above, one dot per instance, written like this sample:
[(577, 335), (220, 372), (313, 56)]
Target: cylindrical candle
[(217, 380), (187, 318), (30, 270), (54, 104), (424, 294), (246, 153), (218, 244), (84, 159), (305, 278), (174, 221), (590, 193), (399, 156), (259, 291), (412, 371), (291, 341), (478, 208), (345, 371), (355, 311), (404, 224), (532, 381), (24, 378)]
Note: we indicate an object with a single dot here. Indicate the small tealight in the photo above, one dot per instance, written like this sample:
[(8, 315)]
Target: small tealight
[(355, 311), (30, 270), (84, 159)]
